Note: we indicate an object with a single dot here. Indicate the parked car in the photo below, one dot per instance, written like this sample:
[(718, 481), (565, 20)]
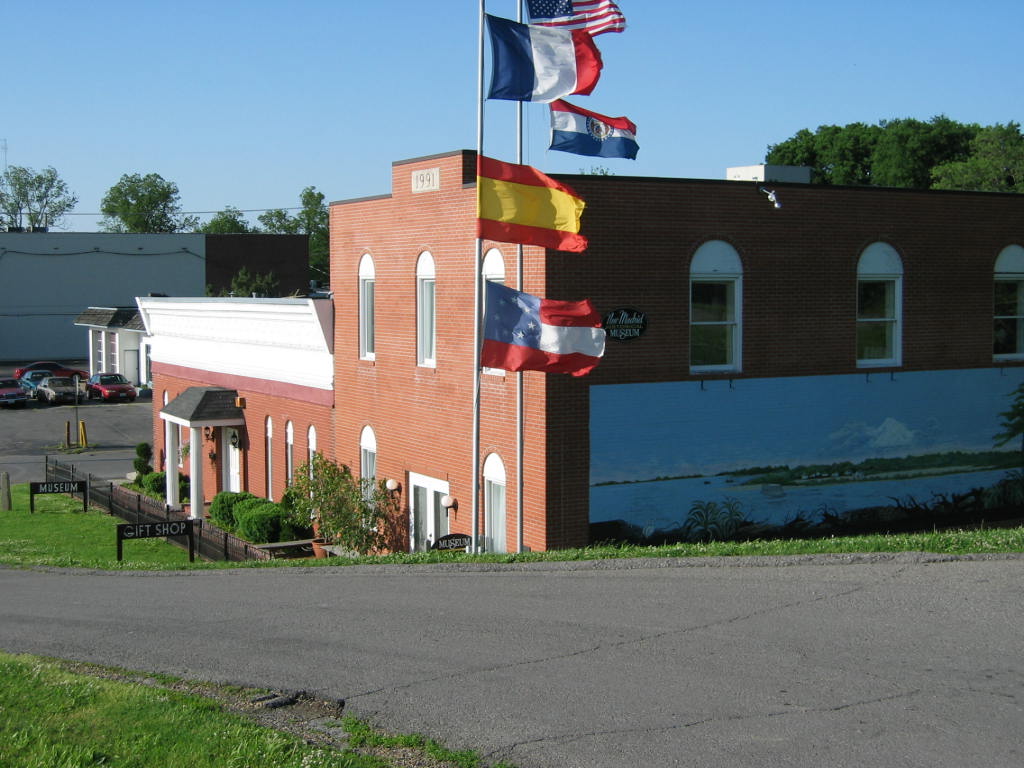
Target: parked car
[(57, 389), (30, 382), (110, 386), (55, 369), (11, 394)]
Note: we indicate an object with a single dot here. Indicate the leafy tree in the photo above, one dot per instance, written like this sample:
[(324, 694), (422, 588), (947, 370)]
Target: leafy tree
[(894, 153), (143, 204), (907, 150), (230, 221), (357, 514), (246, 283), (1013, 419), (312, 220), (28, 198), (995, 164)]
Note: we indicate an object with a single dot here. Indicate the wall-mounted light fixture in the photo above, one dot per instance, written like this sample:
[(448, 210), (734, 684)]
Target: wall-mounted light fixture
[(771, 196), (234, 440), (449, 502), (392, 485), (208, 433)]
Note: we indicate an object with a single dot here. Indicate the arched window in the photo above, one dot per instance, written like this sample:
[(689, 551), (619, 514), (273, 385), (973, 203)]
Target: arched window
[(367, 283), (367, 459), (1008, 303), (310, 448), (879, 306), (289, 453), (269, 442), (716, 301), (494, 504), (425, 310), (493, 271)]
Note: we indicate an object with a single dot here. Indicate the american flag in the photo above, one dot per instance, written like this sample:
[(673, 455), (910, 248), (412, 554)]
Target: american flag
[(595, 16)]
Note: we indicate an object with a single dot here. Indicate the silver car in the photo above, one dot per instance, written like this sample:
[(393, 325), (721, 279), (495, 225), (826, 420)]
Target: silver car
[(57, 389)]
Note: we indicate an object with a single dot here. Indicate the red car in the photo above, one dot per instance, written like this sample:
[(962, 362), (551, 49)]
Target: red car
[(55, 369), (110, 386)]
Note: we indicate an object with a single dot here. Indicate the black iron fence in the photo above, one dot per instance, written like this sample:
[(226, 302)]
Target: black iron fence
[(211, 542)]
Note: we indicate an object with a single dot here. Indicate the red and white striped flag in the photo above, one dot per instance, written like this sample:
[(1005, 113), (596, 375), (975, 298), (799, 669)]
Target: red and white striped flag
[(595, 16)]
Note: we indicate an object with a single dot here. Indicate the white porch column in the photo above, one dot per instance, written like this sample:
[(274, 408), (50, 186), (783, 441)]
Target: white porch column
[(171, 464), (195, 470)]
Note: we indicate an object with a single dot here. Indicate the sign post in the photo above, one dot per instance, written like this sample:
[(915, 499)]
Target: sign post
[(157, 531), (58, 486)]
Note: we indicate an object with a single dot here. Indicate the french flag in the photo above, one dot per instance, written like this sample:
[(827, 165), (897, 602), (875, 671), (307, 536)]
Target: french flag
[(526, 333), (534, 63), (582, 132)]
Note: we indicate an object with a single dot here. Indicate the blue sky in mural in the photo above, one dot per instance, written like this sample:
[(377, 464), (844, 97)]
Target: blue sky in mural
[(643, 431)]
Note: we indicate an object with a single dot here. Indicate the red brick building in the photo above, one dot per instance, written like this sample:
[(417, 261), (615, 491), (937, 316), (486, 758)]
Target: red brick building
[(849, 324)]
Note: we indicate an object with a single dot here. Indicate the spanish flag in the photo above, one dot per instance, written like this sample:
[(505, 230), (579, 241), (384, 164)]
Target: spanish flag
[(519, 204)]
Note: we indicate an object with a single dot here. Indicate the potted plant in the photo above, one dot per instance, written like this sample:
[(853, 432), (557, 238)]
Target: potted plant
[(343, 510)]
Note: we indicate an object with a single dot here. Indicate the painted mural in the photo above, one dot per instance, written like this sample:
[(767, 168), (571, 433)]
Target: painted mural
[(770, 450)]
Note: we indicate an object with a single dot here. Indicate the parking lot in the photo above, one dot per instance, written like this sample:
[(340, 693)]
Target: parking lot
[(113, 430)]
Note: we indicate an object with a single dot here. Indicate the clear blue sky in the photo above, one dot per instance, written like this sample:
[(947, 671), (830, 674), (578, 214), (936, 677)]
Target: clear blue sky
[(247, 103)]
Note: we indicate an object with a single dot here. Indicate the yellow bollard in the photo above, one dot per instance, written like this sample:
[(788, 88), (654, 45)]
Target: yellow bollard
[(82, 440)]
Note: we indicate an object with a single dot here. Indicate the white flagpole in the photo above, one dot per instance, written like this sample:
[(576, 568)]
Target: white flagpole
[(519, 376), (477, 297)]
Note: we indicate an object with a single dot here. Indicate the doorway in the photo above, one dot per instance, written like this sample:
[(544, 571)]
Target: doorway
[(428, 519)]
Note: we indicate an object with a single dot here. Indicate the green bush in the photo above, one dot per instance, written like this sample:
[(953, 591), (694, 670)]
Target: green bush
[(222, 508), (258, 520), (154, 484)]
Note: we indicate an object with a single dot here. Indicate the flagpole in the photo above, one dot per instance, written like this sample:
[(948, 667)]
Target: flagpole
[(520, 438), (477, 298)]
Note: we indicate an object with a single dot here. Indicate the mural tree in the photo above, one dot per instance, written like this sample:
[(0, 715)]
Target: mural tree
[(1013, 420)]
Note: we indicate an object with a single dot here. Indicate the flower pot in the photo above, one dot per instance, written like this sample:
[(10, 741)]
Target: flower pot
[(318, 548)]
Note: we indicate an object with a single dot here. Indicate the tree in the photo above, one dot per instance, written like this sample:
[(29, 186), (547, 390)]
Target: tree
[(894, 153), (357, 514), (1013, 419), (312, 220), (230, 221), (143, 204), (246, 283), (995, 164), (28, 198)]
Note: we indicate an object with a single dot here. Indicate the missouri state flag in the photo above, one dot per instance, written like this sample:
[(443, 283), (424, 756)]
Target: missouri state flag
[(526, 333), (533, 63), (582, 132), (519, 204)]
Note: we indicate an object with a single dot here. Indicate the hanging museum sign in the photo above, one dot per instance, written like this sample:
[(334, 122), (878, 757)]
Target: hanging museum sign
[(625, 324)]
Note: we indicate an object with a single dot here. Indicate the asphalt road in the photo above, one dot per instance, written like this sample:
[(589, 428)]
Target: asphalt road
[(860, 661), (113, 430)]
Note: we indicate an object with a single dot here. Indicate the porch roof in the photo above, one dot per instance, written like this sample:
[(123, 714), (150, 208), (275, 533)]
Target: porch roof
[(204, 407)]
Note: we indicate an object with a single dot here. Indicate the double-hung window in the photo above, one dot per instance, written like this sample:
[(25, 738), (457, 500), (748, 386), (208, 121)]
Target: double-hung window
[(367, 461), (493, 271), (1008, 305), (425, 310), (367, 283), (716, 301), (879, 306)]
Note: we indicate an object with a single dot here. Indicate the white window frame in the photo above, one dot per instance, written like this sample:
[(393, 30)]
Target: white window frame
[(367, 303), (880, 263), (289, 453), (717, 262), (493, 271), (367, 460), (310, 448), (269, 442), (1009, 269), (426, 311), (495, 534)]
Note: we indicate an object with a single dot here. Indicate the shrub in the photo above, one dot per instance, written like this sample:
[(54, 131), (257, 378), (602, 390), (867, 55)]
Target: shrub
[(222, 513), (154, 484), (258, 520)]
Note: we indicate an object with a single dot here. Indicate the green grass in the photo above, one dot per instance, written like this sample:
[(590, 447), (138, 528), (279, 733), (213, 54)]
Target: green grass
[(60, 534), (53, 718)]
